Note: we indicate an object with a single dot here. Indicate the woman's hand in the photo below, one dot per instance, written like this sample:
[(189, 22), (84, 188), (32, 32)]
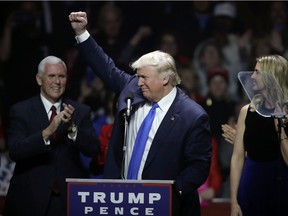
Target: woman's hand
[(229, 133)]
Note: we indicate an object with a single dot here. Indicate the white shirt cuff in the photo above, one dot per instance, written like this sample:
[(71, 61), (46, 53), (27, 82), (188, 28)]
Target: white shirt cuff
[(74, 137), (47, 142), (81, 38)]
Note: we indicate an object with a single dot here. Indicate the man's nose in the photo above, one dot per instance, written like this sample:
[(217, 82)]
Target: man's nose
[(140, 81)]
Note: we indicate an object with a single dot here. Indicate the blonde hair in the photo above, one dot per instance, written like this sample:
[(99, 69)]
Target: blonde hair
[(162, 61), (274, 66)]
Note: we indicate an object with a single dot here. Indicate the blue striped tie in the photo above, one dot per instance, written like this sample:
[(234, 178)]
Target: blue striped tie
[(140, 143)]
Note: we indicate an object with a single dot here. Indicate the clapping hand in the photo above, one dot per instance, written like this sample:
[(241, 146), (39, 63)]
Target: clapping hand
[(229, 133), (67, 113)]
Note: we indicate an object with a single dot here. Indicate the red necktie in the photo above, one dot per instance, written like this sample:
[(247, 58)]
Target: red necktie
[(55, 187), (54, 113)]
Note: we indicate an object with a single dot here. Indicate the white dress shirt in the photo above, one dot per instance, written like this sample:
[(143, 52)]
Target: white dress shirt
[(134, 125), (47, 104)]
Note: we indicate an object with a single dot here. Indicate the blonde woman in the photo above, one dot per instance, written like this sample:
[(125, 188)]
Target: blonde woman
[(259, 164)]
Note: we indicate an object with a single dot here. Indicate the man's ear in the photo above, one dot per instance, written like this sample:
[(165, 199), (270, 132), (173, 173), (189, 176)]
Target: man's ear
[(38, 79), (166, 80)]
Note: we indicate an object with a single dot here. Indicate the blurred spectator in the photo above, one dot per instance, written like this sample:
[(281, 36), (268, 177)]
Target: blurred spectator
[(221, 109), (27, 37), (6, 164), (94, 94), (129, 52), (169, 42), (279, 27), (114, 37), (190, 83), (6, 172), (211, 188), (105, 114), (195, 24), (208, 56), (274, 24), (97, 163), (109, 24), (234, 44), (110, 33), (260, 46)]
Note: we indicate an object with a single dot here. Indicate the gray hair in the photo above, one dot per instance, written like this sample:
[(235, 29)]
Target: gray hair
[(49, 60), (162, 61)]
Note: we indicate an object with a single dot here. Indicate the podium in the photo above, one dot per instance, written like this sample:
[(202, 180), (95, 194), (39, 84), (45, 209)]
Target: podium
[(97, 197)]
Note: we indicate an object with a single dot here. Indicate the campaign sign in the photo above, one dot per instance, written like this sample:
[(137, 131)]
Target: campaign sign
[(97, 197)]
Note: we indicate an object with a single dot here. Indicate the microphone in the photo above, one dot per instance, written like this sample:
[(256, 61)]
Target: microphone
[(129, 99)]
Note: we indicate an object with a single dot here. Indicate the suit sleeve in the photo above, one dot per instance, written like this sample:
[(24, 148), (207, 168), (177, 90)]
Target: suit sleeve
[(197, 154), (103, 66), (87, 140)]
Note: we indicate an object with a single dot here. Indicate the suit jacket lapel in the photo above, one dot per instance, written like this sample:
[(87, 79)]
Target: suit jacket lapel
[(169, 121), (40, 113)]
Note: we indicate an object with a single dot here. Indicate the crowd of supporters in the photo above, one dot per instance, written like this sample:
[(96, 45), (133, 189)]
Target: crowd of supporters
[(211, 41)]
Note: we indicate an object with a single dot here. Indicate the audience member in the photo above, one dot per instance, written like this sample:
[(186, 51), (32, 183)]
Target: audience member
[(208, 56), (195, 24), (190, 83), (129, 52), (260, 46), (94, 94), (24, 44), (6, 164), (212, 187), (46, 153), (110, 33), (234, 44), (221, 109), (189, 139), (169, 43), (97, 163), (118, 41), (274, 25)]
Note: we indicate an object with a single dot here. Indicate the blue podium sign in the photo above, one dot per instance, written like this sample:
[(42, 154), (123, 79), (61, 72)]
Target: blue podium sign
[(99, 197)]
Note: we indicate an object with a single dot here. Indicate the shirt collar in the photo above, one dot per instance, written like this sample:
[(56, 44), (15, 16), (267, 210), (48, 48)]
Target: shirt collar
[(165, 102), (48, 104)]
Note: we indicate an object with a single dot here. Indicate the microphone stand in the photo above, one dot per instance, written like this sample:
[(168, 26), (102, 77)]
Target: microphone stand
[(129, 99), (124, 145)]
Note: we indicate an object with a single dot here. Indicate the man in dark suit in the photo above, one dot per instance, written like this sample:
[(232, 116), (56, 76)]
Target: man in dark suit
[(179, 142), (46, 153)]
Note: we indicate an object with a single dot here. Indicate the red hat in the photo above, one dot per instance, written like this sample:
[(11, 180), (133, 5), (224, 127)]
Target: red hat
[(218, 71)]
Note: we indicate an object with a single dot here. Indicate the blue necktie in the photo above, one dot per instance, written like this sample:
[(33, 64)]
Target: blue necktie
[(140, 143)]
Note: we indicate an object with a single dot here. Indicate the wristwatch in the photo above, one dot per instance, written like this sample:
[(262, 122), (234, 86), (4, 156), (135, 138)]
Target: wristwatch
[(72, 128)]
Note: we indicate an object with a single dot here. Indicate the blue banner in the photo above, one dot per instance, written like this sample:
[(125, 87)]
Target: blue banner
[(119, 197)]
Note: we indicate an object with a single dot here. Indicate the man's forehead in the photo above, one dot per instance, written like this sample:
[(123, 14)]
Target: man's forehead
[(59, 67), (146, 70)]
